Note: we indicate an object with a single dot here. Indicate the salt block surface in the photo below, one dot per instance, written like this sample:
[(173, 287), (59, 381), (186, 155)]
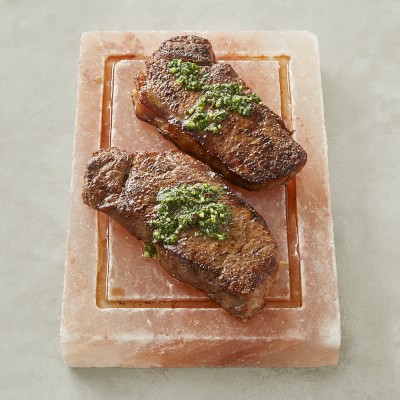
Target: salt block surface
[(127, 267), (102, 325)]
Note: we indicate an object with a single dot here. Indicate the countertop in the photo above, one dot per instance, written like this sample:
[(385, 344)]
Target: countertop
[(360, 58)]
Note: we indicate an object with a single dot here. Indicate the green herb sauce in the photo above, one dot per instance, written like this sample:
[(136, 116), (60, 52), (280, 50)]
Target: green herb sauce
[(150, 251), (185, 207), (187, 74), (217, 101)]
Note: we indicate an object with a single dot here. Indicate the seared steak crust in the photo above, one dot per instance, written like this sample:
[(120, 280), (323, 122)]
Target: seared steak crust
[(254, 152), (188, 48), (236, 273)]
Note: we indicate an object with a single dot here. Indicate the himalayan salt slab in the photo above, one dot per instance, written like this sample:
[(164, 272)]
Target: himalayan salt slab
[(122, 310), (127, 132)]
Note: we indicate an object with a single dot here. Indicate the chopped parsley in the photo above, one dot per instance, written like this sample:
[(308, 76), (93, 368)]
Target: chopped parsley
[(217, 100), (150, 251), (187, 74), (187, 207)]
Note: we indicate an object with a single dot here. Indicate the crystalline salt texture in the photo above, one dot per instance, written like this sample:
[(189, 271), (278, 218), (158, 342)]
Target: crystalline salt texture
[(114, 331)]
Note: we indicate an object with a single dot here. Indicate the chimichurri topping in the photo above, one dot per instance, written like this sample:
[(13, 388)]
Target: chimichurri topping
[(217, 100), (150, 251), (185, 207), (187, 74)]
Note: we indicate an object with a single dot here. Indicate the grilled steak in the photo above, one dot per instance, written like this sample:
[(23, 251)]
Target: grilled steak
[(254, 151), (236, 272)]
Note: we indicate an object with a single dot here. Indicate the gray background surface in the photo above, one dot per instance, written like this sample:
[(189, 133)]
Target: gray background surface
[(360, 58)]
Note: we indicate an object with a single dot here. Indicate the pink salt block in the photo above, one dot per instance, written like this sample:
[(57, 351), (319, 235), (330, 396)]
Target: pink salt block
[(120, 309)]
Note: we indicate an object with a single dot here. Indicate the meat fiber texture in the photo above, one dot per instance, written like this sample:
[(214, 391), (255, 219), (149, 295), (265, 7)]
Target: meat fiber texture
[(236, 272), (255, 152), (122, 310)]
